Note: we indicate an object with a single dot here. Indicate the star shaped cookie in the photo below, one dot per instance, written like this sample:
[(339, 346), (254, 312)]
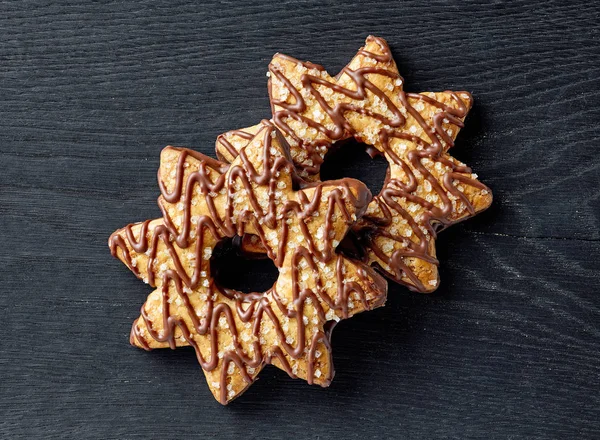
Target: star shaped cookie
[(235, 334), (426, 189)]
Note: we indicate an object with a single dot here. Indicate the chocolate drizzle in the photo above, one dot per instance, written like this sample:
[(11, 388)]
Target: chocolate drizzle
[(390, 110), (233, 203)]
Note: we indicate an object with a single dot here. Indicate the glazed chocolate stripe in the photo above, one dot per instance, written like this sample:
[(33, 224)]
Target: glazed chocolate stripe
[(439, 142), (216, 183)]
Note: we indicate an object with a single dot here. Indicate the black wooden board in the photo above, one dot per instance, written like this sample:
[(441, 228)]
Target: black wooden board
[(90, 92)]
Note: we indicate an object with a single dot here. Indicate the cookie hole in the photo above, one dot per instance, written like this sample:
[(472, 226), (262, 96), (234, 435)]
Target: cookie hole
[(350, 159), (232, 269)]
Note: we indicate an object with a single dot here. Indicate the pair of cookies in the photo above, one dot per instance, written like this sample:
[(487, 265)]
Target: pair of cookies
[(266, 189)]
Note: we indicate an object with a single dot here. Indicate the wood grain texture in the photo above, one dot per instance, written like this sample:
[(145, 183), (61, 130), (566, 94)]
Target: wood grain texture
[(91, 92)]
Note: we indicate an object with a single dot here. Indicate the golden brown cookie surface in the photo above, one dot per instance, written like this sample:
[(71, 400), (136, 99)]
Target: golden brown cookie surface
[(427, 189), (236, 334)]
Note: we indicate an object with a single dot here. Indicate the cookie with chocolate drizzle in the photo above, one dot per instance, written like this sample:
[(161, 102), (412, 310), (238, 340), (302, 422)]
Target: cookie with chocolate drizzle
[(299, 226), (426, 189)]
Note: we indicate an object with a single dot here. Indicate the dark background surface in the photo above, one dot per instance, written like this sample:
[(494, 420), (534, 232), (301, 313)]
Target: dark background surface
[(508, 347)]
